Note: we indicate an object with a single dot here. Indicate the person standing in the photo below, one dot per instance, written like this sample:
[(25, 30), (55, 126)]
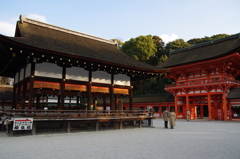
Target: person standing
[(165, 118), (172, 118), (188, 115)]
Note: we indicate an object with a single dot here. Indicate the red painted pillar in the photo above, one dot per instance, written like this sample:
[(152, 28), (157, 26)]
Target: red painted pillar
[(201, 111), (176, 102), (209, 107), (224, 106), (187, 103), (192, 109)]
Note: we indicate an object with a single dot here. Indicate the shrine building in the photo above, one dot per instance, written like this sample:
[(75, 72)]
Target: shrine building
[(49, 63), (205, 79)]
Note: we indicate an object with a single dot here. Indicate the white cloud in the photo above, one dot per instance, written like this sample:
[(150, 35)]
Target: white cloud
[(7, 28), (168, 38), (37, 17)]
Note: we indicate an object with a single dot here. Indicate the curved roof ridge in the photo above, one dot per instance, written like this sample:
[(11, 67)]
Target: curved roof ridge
[(46, 25), (205, 43)]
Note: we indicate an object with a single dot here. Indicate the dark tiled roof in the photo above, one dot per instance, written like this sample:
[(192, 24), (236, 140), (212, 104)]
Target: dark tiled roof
[(205, 51), (234, 93), (71, 44), (150, 98)]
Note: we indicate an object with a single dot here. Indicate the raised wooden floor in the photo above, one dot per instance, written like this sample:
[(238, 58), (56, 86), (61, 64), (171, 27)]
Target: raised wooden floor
[(77, 120)]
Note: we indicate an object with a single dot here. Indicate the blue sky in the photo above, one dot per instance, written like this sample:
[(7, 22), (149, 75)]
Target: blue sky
[(125, 19)]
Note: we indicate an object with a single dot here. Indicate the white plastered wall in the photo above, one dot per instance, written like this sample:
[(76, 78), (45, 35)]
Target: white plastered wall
[(28, 70), (77, 73), (101, 77), (121, 79), (48, 70), (21, 74)]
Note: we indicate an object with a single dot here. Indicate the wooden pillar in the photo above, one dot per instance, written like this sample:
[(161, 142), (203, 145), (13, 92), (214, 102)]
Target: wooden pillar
[(224, 105), (192, 109), (94, 102), (187, 103), (97, 125), (30, 94), (24, 95), (104, 102), (34, 128), (176, 104), (59, 101), (38, 99), (68, 126), (63, 88), (31, 85), (70, 100), (78, 106), (89, 90), (62, 97), (130, 98), (18, 97), (10, 129), (140, 123), (120, 124), (14, 97), (201, 111), (112, 107), (116, 102), (230, 110), (215, 108), (3, 103), (209, 106)]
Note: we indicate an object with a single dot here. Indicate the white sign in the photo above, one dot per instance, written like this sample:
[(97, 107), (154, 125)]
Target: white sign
[(22, 123)]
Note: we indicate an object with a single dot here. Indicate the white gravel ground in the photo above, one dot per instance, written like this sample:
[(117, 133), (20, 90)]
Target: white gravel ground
[(196, 139)]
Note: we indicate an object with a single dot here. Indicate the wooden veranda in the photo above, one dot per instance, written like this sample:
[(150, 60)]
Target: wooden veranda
[(49, 121)]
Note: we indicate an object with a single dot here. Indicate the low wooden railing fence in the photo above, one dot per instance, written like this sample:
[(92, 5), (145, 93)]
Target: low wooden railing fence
[(72, 113)]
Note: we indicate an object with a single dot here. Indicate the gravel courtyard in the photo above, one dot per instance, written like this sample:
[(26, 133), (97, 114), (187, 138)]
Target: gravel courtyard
[(196, 139)]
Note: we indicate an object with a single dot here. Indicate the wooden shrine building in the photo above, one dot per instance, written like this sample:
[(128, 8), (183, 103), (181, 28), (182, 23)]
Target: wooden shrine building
[(204, 75), (51, 64), (47, 61)]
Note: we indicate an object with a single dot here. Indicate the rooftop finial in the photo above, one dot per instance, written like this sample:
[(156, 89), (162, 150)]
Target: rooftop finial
[(22, 18)]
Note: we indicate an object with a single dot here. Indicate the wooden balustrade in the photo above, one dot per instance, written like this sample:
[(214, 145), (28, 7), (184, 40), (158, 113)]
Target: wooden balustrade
[(74, 113), (204, 83)]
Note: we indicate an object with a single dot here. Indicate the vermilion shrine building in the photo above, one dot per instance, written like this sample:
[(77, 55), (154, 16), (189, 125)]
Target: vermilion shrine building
[(205, 79)]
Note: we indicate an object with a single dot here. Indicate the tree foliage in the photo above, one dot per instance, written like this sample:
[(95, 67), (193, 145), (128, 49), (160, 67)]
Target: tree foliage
[(4, 81), (196, 41), (141, 48), (151, 86), (159, 44), (176, 44)]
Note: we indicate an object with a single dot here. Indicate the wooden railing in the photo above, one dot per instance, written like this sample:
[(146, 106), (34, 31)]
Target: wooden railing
[(201, 83), (73, 113)]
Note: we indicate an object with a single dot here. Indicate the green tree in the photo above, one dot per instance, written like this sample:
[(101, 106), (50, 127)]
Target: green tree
[(175, 45), (159, 44), (163, 58), (141, 48), (196, 41), (151, 86), (4, 81)]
